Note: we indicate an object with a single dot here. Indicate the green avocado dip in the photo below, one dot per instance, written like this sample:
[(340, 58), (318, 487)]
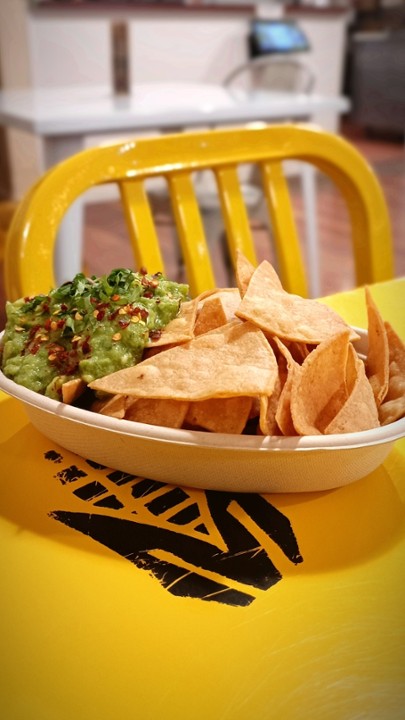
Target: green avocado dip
[(87, 328)]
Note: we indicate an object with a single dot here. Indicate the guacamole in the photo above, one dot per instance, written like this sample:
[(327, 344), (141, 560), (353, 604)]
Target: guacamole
[(87, 328)]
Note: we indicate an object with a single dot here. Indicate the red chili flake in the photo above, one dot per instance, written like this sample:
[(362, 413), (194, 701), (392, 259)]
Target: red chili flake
[(155, 334), (143, 271), (115, 297), (55, 351), (100, 314), (123, 323), (86, 346), (148, 294), (34, 348), (61, 323), (45, 307), (64, 307), (138, 310), (47, 324), (33, 331), (65, 360), (114, 314), (73, 362)]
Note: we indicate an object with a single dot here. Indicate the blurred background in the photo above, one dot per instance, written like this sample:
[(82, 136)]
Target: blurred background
[(355, 48)]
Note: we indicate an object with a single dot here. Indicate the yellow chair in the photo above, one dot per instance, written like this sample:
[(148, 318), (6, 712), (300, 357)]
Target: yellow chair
[(31, 240), (7, 210)]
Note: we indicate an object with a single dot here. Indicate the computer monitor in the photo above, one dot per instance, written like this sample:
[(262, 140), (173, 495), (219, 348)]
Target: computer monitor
[(277, 36)]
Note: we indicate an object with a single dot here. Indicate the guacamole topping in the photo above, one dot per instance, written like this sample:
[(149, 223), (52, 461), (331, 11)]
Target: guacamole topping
[(87, 328)]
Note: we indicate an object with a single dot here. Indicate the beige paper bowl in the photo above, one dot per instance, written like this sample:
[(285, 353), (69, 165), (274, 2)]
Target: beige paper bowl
[(241, 463)]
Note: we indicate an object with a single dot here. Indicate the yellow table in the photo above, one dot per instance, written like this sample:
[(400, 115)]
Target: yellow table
[(115, 604)]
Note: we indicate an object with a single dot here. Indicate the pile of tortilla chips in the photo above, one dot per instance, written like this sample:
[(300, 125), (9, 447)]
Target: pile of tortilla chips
[(256, 359)]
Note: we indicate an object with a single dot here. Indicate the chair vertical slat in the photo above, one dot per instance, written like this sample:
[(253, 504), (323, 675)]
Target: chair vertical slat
[(238, 232), (191, 233), (141, 226), (285, 236), (371, 257)]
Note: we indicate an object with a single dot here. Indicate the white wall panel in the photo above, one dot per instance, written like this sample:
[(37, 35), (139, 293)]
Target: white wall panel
[(69, 51)]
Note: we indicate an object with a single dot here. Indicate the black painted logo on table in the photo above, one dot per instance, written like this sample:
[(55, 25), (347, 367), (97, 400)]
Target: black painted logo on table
[(196, 544)]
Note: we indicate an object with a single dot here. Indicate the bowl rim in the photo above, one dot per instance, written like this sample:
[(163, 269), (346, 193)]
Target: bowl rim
[(200, 438)]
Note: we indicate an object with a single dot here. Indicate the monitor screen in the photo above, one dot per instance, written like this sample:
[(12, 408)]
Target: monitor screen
[(277, 36)]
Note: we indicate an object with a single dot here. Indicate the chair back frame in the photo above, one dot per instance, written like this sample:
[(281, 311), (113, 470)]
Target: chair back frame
[(33, 232)]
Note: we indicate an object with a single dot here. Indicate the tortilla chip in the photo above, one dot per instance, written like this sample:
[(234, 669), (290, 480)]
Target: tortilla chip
[(243, 272), (221, 415), (255, 409), (298, 350), (211, 316), (72, 389), (352, 371), (112, 406), (230, 300), (393, 406), (287, 316), (260, 360), (392, 410), (268, 408), (377, 363), (396, 384), (283, 412), (268, 405), (319, 391), (180, 329), (359, 412), (151, 351), (169, 413), (231, 361)]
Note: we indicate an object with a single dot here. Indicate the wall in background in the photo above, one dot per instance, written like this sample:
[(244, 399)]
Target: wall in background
[(22, 148), (45, 48)]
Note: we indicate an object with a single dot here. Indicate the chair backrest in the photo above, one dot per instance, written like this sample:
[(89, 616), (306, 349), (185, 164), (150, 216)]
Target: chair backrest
[(286, 74), (32, 235)]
